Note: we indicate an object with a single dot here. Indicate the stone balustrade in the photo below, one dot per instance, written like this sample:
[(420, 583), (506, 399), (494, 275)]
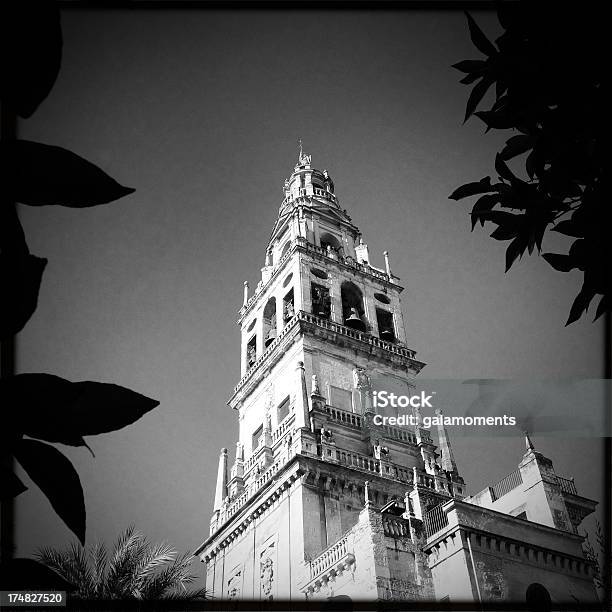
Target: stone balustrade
[(303, 193), (567, 485), (506, 484), (332, 561), (233, 506), (357, 335), (396, 433), (435, 520), (395, 526), (344, 416), (283, 428)]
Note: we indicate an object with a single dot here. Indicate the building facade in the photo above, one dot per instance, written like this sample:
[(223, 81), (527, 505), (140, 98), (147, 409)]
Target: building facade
[(319, 500)]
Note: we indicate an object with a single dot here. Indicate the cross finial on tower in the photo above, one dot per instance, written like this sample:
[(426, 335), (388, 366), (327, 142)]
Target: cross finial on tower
[(302, 159)]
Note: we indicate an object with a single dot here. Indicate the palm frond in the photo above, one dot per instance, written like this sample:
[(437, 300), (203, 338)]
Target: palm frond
[(119, 578), (155, 556), (188, 595), (171, 579), (99, 560), (72, 564), (136, 569)]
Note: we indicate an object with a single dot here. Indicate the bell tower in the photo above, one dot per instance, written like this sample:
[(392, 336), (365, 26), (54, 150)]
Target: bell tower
[(321, 332)]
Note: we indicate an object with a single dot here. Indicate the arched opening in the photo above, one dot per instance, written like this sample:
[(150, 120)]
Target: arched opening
[(288, 306), (285, 248), (353, 311), (537, 598), (282, 411), (269, 322), (330, 244), (386, 330), (321, 301), (251, 352)]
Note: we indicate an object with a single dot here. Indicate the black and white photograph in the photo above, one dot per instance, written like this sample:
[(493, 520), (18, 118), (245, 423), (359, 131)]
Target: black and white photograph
[(305, 306)]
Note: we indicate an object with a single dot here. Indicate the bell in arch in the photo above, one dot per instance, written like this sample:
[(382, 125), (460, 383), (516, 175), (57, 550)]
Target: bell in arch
[(387, 334), (354, 321), (270, 336)]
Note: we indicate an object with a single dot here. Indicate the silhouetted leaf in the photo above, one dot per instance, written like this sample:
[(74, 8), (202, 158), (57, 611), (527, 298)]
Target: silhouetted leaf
[(27, 574), (531, 164), (506, 14), (478, 92), (603, 307), (502, 168), (581, 304), (536, 233), (509, 225), (103, 407), (501, 120), (57, 479), (579, 252), (504, 232), (500, 88), (57, 410), (10, 484), (568, 227), (470, 65), (41, 406), (559, 131), (515, 249), (501, 217), (482, 186), (470, 78), (43, 174), (481, 42), (562, 263), (31, 48), (483, 204), (515, 146), (20, 278)]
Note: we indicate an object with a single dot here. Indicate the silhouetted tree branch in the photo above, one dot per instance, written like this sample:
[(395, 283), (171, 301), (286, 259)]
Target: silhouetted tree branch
[(43, 406), (547, 69)]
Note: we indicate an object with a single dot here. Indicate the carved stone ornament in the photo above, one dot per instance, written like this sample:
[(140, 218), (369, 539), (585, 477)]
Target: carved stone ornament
[(361, 379), (267, 576), (234, 586), (315, 385)]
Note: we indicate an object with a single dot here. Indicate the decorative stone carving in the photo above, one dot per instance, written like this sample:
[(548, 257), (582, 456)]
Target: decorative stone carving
[(267, 571), (315, 385), (361, 379), (234, 585), (267, 576), (327, 435), (380, 452)]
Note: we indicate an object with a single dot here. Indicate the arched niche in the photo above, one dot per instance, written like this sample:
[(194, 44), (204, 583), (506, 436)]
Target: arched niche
[(329, 240), (269, 322), (537, 598), (284, 250), (352, 299)]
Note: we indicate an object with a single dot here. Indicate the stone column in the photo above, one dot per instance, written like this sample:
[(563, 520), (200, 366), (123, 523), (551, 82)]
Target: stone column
[(221, 489), (302, 408)]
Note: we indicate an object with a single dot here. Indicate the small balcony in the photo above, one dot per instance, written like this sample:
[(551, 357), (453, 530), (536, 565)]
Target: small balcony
[(332, 562)]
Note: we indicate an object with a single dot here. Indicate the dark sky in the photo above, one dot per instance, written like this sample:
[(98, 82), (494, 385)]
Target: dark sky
[(200, 112)]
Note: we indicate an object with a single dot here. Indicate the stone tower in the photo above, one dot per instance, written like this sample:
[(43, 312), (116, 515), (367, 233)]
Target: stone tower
[(322, 331), (320, 499)]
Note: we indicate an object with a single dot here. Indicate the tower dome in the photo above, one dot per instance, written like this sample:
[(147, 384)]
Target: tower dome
[(307, 184)]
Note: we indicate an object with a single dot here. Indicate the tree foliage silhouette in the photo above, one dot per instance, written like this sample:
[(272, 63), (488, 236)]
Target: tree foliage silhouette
[(41, 406), (134, 569), (547, 72)]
